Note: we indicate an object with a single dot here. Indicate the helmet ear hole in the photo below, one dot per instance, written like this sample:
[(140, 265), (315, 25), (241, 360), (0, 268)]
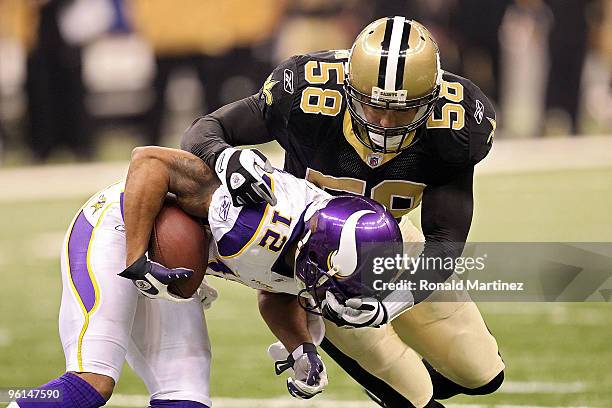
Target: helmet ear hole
[(312, 256)]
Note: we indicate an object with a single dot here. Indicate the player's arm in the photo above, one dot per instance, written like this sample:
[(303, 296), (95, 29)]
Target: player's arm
[(446, 216), (245, 122), (288, 322), (211, 139), (236, 124), (285, 318), (154, 172)]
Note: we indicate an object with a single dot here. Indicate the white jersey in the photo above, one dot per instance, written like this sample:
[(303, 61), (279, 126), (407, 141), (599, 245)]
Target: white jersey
[(104, 321), (250, 242)]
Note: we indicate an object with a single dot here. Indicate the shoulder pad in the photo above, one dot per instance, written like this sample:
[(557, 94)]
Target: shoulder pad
[(462, 125)]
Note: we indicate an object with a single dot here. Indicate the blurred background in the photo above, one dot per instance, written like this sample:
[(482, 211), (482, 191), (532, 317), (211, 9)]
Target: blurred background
[(84, 81)]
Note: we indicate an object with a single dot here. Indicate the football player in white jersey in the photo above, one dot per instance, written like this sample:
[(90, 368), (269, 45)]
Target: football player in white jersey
[(308, 244), (103, 320)]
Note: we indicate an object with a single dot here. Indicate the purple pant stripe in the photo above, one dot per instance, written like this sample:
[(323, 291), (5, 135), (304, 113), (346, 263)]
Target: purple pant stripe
[(77, 260), (121, 205)]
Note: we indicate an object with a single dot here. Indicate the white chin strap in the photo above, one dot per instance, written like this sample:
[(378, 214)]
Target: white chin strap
[(393, 142)]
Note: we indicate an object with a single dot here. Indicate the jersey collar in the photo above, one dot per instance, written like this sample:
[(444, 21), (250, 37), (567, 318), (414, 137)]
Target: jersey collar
[(369, 157)]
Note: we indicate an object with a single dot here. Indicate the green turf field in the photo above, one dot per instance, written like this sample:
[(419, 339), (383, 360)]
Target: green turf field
[(541, 343)]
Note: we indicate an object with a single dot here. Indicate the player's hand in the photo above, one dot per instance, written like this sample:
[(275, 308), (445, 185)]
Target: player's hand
[(355, 312), (241, 172), (152, 279), (309, 373)]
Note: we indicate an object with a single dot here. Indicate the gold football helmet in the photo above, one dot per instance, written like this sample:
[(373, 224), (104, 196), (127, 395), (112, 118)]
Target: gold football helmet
[(393, 82)]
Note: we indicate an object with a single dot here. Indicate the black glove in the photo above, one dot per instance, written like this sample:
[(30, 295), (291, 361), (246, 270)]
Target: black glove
[(241, 173), (152, 279)]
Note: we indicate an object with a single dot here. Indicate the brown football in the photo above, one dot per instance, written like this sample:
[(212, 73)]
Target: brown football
[(179, 240)]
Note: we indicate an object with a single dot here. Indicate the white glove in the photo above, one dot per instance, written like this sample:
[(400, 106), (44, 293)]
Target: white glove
[(277, 351), (241, 172), (207, 294), (309, 375), (355, 312)]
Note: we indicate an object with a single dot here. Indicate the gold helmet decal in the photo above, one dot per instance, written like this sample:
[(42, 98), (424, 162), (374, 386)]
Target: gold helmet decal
[(393, 82)]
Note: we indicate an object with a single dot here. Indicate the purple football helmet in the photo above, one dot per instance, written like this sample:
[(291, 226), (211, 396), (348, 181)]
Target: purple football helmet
[(335, 253)]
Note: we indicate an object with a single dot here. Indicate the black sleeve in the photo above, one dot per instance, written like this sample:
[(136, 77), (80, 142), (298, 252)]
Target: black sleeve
[(447, 209), (446, 217), (238, 123)]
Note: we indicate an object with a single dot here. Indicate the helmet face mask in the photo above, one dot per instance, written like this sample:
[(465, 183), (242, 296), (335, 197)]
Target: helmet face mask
[(313, 280), (314, 286), (387, 139), (394, 65)]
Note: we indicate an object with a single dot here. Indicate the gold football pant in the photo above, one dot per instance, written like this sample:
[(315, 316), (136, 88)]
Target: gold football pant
[(450, 335)]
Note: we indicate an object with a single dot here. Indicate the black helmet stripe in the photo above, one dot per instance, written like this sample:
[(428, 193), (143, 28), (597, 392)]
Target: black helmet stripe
[(401, 63), (394, 42), (386, 42)]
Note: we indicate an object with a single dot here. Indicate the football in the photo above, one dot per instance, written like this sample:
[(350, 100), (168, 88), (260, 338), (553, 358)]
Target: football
[(179, 240)]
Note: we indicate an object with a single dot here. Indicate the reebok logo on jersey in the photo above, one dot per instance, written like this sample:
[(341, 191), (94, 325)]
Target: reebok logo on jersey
[(288, 80), (224, 208), (479, 113)]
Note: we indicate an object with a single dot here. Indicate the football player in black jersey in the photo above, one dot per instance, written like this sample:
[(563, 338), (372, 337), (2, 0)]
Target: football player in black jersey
[(382, 120)]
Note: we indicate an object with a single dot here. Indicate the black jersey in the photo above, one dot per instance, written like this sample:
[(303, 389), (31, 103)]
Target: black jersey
[(304, 108), (302, 105)]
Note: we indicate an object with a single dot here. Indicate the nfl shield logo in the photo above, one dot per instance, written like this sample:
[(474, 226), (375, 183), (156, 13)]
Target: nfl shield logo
[(374, 160)]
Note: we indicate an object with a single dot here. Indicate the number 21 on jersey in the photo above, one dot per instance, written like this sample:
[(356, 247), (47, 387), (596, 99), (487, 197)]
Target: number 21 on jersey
[(273, 240)]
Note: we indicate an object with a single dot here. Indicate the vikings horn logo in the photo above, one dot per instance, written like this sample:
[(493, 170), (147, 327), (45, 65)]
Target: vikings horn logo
[(344, 260)]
